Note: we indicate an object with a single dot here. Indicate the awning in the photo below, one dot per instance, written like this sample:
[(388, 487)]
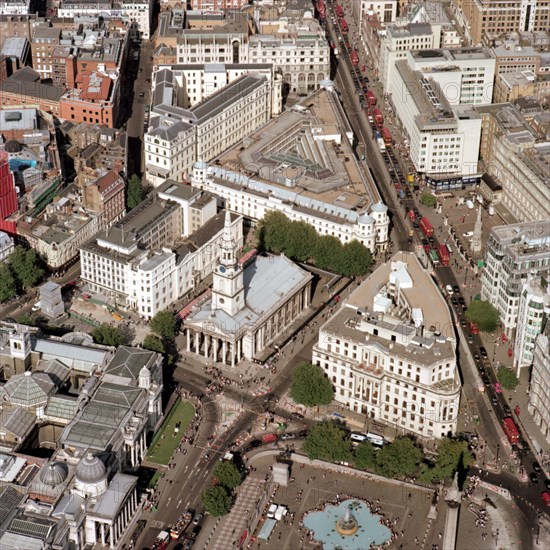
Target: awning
[(267, 529)]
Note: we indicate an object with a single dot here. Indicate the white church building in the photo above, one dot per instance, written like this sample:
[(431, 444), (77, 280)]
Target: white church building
[(249, 307)]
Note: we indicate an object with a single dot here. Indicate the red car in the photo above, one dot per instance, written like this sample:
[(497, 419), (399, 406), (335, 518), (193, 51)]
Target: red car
[(546, 497)]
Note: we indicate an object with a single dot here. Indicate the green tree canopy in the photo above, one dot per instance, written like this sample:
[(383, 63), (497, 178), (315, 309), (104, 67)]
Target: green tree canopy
[(365, 456), (507, 378), (25, 267), (107, 335), (398, 459), (452, 456), (8, 286), (28, 320), (427, 199), (355, 259), (153, 343), (164, 324), (299, 241), (483, 314), (134, 192), (227, 475), (310, 386), (216, 501), (328, 441)]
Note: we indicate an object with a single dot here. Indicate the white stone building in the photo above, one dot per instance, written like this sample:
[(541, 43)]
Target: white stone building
[(254, 199), (299, 51), (514, 253), (390, 351), (148, 274), (6, 246), (533, 311), (539, 392), (249, 307), (433, 92), (15, 7), (177, 137), (139, 12)]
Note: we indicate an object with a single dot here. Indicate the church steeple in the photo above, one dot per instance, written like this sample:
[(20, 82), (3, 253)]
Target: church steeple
[(228, 247), (228, 284)]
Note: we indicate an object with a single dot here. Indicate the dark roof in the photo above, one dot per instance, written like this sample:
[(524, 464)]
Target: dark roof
[(23, 83)]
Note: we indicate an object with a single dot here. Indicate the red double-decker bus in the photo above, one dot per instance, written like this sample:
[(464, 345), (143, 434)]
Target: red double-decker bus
[(344, 26), (354, 58), (339, 11), (378, 118), (511, 430), (386, 136)]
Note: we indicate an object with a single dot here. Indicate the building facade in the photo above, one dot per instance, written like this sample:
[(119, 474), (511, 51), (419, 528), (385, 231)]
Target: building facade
[(249, 307), (397, 369), (514, 252), (254, 199), (533, 312), (539, 392), (178, 137)]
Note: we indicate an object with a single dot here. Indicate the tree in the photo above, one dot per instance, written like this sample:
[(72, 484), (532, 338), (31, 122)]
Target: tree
[(153, 343), (8, 287), (25, 267), (301, 241), (427, 199), (216, 501), (365, 456), (328, 441), (310, 386), (327, 252), (400, 458), (164, 324), (273, 232), (356, 259), (483, 314), (107, 335), (28, 320), (507, 378), (452, 456), (134, 192), (227, 475)]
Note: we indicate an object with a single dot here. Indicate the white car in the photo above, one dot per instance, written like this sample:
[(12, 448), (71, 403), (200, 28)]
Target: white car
[(36, 306), (468, 234), (449, 290)]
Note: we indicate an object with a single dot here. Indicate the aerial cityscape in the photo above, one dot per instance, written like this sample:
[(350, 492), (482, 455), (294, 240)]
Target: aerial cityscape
[(274, 274)]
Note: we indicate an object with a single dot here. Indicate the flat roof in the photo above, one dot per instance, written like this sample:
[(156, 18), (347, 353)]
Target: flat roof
[(111, 501), (268, 281), (424, 294)]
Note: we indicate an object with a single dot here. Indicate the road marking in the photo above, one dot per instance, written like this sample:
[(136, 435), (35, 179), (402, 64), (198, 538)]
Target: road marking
[(168, 502), (186, 468), (179, 503), (205, 473)]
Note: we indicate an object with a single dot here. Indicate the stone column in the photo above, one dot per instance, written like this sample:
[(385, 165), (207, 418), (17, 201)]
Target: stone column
[(224, 352), (206, 346), (215, 350), (232, 352), (197, 350), (239, 349), (188, 339), (102, 534), (112, 539)]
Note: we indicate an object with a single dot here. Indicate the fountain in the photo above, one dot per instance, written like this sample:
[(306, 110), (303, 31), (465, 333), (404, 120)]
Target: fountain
[(347, 525)]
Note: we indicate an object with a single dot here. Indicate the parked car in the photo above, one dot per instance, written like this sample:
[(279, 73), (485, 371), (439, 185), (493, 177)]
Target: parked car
[(498, 388), (470, 339), (454, 301), (288, 436), (483, 352), (547, 483), (534, 477), (456, 289), (545, 495), (198, 519), (449, 290), (36, 306), (462, 302), (537, 468)]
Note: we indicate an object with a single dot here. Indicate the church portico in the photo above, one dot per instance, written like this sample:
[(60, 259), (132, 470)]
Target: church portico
[(249, 308)]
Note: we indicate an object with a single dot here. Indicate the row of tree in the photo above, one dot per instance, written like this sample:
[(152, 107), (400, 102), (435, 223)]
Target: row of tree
[(218, 499), (21, 271), (402, 458), (299, 241)]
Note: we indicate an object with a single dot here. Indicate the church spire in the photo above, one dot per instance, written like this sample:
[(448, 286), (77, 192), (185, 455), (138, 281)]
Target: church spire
[(228, 245)]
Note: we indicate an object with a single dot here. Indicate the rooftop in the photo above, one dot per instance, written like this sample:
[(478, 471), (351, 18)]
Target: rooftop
[(267, 282)]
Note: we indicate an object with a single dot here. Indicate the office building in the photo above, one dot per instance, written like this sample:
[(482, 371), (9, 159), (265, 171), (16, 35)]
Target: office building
[(514, 253), (390, 352), (177, 137), (539, 392)]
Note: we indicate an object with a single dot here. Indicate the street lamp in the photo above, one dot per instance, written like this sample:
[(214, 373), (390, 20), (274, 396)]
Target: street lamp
[(498, 451)]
